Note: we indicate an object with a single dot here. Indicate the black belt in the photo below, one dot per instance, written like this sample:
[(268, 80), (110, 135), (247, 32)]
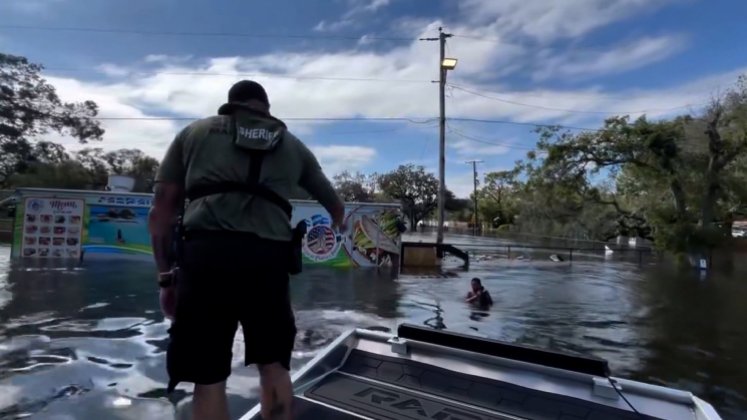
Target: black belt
[(259, 190)]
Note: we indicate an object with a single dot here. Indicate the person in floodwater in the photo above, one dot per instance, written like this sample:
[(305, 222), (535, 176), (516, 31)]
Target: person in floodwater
[(120, 238), (479, 296), (238, 170)]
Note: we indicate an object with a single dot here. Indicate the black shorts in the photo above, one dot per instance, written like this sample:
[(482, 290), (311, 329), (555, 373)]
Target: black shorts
[(228, 279)]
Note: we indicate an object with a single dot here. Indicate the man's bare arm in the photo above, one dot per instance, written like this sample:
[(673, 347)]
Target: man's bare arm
[(316, 183), (168, 200)]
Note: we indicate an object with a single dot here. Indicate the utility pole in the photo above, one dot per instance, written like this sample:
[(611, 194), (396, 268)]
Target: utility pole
[(474, 194), (444, 65)]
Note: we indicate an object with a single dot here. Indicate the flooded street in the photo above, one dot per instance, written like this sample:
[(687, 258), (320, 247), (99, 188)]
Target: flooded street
[(89, 341)]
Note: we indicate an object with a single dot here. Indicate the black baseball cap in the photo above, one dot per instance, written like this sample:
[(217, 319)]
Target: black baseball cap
[(242, 92)]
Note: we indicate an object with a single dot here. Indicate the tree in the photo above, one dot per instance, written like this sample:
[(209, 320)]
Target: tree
[(68, 174), (93, 161), (416, 189), (675, 179), (497, 198), (129, 162), (354, 187), (136, 164), (30, 109)]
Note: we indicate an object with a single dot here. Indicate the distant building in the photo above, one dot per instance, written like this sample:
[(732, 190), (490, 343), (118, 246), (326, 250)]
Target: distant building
[(120, 183), (739, 228)]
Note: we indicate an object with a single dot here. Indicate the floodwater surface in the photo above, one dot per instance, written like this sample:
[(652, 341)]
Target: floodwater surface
[(89, 341)]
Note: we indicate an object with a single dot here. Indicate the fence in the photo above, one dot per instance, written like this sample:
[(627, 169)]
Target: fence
[(514, 251)]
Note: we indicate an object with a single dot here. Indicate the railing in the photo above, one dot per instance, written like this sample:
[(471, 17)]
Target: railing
[(6, 229), (504, 238), (6, 224), (511, 249)]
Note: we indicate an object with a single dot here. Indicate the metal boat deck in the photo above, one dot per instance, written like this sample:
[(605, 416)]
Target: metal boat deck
[(371, 375)]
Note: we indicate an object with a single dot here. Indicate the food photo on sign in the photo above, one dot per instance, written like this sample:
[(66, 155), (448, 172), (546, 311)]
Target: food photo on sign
[(373, 238)]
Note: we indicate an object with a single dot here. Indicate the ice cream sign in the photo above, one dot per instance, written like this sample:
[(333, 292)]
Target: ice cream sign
[(52, 228)]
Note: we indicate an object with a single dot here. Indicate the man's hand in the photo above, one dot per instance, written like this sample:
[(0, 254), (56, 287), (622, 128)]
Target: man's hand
[(168, 199), (338, 218), (167, 299), (340, 226)]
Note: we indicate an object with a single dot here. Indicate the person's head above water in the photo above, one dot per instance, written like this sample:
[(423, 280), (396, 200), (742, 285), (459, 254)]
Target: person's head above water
[(246, 93), (476, 284)]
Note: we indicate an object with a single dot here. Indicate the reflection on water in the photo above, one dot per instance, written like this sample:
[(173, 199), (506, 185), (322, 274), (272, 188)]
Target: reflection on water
[(89, 342)]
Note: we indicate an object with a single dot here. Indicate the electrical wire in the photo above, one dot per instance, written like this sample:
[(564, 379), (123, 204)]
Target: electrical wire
[(200, 34), (421, 120), (401, 119), (477, 38), (252, 75), (459, 133), (575, 111), (528, 124)]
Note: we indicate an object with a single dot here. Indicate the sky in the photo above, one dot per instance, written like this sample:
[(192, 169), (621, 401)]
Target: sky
[(354, 81)]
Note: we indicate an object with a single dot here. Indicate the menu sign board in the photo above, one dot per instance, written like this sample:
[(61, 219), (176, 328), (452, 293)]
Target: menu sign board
[(52, 228)]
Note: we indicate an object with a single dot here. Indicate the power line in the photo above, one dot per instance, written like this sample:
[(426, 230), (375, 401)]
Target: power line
[(491, 143), (416, 120), (346, 133), (477, 38), (575, 111), (253, 75), (198, 34), (320, 119), (527, 124)]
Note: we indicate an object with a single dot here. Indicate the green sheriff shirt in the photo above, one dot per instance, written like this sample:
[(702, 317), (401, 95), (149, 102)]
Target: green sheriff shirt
[(205, 153)]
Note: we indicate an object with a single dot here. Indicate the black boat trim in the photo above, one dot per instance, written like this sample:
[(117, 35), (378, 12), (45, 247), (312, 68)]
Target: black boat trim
[(581, 364)]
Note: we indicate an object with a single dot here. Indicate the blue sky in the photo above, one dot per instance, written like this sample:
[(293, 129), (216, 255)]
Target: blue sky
[(520, 62)]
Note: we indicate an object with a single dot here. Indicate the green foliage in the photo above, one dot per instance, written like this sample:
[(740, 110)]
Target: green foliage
[(68, 174), (416, 189), (498, 197), (459, 209), (355, 187), (679, 181), (31, 109), (88, 169)]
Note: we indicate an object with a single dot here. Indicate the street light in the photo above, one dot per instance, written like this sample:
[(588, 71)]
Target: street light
[(445, 64), (448, 63)]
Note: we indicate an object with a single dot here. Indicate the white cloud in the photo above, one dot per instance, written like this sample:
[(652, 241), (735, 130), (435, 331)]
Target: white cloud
[(550, 20), (587, 107), (473, 149), (31, 6), (152, 137), (161, 85), (374, 5), (365, 6), (165, 58), (335, 158), (325, 26), (350, 18), (461, 184), (113, 70), (177, 90), (630, 56)]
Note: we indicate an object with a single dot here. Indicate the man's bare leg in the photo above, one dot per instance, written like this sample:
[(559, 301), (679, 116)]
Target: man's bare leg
[(210, 403), (277, 392)]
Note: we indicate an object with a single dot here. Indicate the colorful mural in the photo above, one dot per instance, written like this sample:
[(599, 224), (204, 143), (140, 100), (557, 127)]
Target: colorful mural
[(116, 223), (371, 236)]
